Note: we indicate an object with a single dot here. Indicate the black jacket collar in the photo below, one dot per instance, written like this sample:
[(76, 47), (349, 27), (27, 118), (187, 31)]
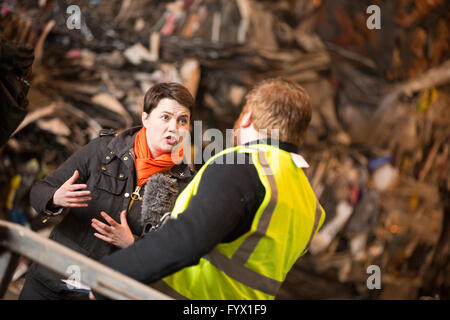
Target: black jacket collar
[(123, 142), (288, 147)]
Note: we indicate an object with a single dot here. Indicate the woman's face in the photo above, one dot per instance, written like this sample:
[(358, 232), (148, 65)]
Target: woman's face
[(165, 125)]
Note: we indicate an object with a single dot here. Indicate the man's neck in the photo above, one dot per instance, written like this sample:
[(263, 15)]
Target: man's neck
[(250, 134)]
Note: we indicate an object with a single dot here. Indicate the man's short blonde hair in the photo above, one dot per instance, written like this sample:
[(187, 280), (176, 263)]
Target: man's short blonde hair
[(280, 104)]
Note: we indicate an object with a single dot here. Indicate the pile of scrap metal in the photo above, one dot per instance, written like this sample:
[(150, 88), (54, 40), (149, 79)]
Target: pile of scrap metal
[(378, 144), (385, 190)]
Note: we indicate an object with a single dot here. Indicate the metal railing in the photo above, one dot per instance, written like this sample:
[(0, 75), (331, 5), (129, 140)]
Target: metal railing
[(16, 240)]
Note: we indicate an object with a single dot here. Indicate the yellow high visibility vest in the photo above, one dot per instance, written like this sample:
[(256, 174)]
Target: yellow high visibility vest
[(254, 265)]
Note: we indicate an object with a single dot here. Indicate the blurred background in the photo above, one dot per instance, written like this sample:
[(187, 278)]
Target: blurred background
[(378, 143)]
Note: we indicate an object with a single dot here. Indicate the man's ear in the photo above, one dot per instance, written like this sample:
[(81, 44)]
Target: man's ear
[(246, 119)]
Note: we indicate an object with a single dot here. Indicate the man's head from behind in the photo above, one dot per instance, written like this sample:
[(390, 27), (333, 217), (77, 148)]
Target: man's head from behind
[(275, 104)]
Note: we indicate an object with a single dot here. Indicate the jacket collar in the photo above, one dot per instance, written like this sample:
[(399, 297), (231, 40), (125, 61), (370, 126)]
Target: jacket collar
[(123, 142), (276, 143)]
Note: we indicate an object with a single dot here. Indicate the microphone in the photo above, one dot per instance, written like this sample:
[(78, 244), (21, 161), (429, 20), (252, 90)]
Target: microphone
[(159, 197)]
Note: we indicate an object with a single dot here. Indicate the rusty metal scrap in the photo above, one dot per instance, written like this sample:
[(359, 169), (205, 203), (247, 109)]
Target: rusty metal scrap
[(378, 143)]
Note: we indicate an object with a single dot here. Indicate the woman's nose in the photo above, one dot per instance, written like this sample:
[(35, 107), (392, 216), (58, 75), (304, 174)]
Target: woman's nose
[(173, 125)]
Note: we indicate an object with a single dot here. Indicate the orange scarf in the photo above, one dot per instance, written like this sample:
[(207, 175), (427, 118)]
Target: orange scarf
[(145, 164)]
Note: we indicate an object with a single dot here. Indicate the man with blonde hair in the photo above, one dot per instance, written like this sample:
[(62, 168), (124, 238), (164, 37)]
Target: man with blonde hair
[(277, 104), (237, 229)]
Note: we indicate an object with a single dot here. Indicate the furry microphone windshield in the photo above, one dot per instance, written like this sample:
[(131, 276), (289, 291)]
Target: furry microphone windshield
[(159, 197)]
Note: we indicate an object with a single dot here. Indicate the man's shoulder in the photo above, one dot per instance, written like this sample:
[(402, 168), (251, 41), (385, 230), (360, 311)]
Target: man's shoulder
[(230, 167), (231, 158)]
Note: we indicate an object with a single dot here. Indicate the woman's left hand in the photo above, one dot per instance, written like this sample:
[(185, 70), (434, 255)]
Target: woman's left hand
[(117, 234)]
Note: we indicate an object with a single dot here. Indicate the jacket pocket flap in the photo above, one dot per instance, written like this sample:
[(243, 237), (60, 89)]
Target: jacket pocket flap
[(110, 184)]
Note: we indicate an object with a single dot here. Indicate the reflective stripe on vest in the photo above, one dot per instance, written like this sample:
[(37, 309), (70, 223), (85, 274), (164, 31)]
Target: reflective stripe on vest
[(200, 281), (316, 225)]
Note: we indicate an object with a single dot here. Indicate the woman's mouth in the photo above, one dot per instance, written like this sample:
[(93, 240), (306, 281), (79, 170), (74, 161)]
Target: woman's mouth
[(172, 140)]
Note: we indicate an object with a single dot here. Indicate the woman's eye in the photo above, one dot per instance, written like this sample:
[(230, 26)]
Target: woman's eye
[(165, 117)]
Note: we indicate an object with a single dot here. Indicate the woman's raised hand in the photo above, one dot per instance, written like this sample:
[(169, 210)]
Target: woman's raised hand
[(69, 196), (117, 234)]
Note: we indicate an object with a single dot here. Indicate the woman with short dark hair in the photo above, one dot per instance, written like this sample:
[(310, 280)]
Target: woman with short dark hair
[(117, 188)]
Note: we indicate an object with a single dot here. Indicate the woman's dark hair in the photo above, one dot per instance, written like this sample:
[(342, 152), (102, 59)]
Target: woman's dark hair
[(170, 90)]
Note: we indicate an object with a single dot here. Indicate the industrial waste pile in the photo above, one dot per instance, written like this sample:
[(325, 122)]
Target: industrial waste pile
[(378, 144)]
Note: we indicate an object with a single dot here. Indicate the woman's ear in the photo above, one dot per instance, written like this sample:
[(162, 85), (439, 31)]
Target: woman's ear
[(144, 117)]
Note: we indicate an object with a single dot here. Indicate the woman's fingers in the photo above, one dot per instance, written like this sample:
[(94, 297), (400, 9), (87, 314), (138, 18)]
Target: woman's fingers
[(66, 194), (77, 202), (117, 234), (108, 219), (96, 227), (123, 218), (76, 205), (101, 227), (79, 199), (74, 187), (78, 194), (109, 240), (73, 178)]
